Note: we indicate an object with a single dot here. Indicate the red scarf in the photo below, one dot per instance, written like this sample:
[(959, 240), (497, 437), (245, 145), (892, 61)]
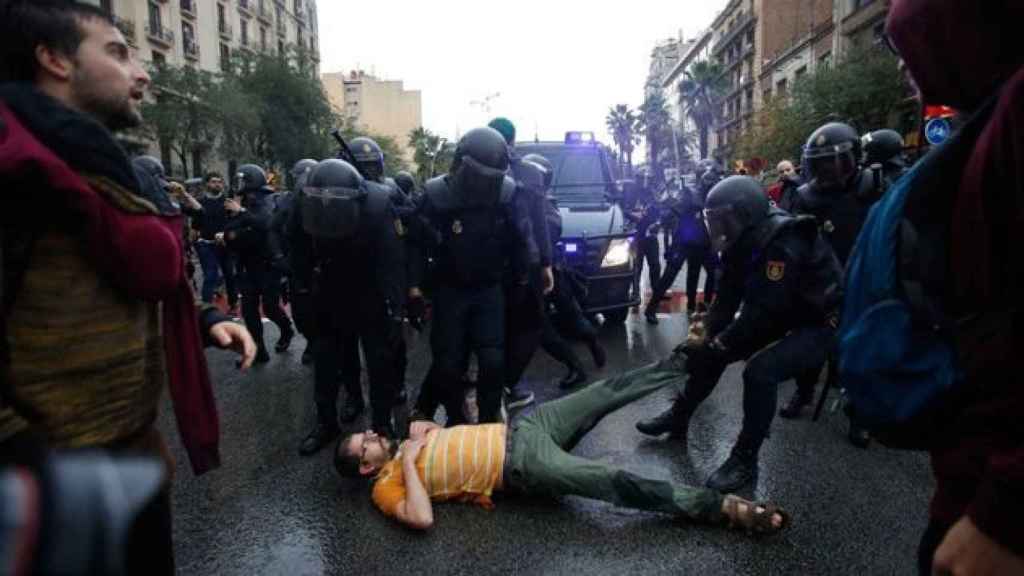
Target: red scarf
[(138, 248)]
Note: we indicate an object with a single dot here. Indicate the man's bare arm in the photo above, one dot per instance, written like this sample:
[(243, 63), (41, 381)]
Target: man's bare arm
[(418, 430), (415, 511)]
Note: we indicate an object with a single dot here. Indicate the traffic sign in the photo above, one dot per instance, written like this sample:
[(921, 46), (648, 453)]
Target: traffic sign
[(937, 130)]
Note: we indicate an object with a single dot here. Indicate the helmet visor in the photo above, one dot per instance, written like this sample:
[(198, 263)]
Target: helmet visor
[(479, 185), (724, 227), (832, 171)]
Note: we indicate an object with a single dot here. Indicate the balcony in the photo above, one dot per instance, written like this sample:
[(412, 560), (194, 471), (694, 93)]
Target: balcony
[(740, 27), (245, 7), (159, 35), (191, 50), (188, 9), (127, 28), (263, 13), (281, 30), (225, 31)]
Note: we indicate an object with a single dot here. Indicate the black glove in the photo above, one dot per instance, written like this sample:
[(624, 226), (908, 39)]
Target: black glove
[(416, 311)]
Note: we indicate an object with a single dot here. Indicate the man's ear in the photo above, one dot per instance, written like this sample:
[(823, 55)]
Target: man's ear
[(54, 63)]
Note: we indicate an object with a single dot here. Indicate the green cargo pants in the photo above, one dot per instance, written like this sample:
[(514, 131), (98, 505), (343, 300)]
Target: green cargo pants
[(540, 462)]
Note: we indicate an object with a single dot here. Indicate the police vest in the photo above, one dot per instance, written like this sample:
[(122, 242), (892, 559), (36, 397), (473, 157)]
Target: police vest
[(475, 246), (841, 217)]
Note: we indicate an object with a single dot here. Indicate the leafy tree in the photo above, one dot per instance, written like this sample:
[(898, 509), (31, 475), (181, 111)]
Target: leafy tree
[(275, 111), (701, 86), (622, 123), (183, 119), (865, 90)]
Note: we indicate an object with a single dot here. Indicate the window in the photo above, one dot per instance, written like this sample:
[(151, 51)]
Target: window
[(781, 87), (225, 56), (825, 61), (280, 47), (263, 39), (245, 32), (159, 59), (222, 21), (155, 22), (188, 39), (801, 71)]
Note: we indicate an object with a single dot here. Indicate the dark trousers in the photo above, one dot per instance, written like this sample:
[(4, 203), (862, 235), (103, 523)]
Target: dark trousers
[(695, 258), (648, 249), (795, 354), (930, 541), (567, 321), (216, 264), (344, 319), (262, 285), (524, 326), (470, 320)]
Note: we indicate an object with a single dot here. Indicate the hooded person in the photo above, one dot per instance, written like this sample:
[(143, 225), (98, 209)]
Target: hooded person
[(976, 510)]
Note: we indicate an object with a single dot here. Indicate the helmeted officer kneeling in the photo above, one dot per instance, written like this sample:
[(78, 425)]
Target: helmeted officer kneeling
[(785, 282), (358, 288)]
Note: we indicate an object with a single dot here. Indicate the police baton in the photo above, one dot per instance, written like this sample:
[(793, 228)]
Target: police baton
[(344, 152)]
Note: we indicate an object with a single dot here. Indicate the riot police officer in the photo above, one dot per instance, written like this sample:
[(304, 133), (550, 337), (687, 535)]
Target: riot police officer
[(260, 257), (471, 225), (406, 183), (690, 245), (784, 281), (358, 265), (283, 226), (883, 150), (838, 195)]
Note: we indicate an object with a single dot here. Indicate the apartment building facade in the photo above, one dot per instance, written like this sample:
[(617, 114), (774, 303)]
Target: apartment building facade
[(737, 44), (205, 33), (379, 106)]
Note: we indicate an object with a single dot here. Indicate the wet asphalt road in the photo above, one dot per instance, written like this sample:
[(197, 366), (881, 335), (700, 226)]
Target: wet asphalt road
[(268, 511)]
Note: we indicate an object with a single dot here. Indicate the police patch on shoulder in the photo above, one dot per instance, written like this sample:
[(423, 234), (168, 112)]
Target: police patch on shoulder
[(457, 227), (776, 270), (399, 228)]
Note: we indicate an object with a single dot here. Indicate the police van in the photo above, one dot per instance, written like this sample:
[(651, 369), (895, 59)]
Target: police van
[(597, 241)]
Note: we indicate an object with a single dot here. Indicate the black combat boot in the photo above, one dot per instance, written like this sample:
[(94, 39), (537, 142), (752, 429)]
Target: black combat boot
[(598, 352), (795, 406), (651, 314), (351, 411), (285, 340), (574, 378), (675, 421), (737, 471), (859, 436), (319, 437)]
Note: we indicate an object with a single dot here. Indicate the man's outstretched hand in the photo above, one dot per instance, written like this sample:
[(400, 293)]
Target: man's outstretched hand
[(231, 336)]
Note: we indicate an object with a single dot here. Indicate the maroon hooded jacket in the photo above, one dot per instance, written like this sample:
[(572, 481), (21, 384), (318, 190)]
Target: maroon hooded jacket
[(963, 53)]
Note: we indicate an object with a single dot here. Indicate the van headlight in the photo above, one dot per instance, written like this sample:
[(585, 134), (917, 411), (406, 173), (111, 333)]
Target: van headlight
[(617, 254)]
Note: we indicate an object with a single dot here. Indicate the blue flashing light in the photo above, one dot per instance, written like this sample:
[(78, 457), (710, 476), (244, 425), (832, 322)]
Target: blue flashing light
[(571, 248), (580, 138)]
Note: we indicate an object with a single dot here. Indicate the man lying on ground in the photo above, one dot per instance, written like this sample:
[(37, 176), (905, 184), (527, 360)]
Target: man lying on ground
[(470, 463)]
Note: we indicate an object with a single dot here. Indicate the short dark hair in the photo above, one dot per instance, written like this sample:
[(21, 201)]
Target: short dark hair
[(27, 24), (212, 175), (346, 464)]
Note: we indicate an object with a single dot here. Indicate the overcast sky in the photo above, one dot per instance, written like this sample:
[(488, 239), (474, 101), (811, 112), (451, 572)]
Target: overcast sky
[(558, 65)]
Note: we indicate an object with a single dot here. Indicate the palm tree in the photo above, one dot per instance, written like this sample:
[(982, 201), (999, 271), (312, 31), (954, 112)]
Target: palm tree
[(655, 124), (622, 123), (698, 92)]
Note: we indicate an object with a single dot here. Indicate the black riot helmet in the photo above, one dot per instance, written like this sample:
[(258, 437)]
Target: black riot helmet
[(547, 168), (479, 166), (369, 158), (406, 183), (300, 172), (734, 206), (883, 147), (831, 156), (250, 177), (331, 201)]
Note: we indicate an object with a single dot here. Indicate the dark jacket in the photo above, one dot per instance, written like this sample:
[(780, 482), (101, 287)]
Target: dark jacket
[(980, 473), (248, 232), (784, 275), (213, 218), (840, 217)]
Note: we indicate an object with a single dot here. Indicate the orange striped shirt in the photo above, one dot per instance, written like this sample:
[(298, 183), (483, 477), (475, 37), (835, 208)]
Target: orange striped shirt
[(464, 463)]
